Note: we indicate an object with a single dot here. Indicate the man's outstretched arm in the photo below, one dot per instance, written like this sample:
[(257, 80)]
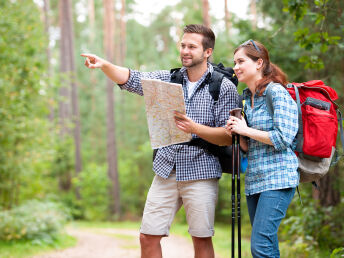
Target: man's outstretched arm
[(118, 74)]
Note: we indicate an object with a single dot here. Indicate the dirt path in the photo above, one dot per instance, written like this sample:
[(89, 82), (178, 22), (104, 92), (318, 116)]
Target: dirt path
[(117, 243)]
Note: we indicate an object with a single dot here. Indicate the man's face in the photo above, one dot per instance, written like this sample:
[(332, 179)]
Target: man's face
[(191, 50)]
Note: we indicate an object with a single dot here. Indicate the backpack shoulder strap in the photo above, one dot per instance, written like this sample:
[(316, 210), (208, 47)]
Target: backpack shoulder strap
[(269, 101), (340, 121), (299, 135), (241, 101), (176, 76), (215, 82)]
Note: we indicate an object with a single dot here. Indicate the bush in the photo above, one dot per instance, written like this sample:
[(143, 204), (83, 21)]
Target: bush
[(93, 184), (135, 178), (34, 220), (315, 227)]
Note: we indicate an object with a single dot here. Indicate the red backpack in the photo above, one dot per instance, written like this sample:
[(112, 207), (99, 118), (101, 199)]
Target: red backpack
[(318, 126)]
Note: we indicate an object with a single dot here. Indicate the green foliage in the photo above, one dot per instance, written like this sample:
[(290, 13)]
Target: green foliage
[(93, 184), (28, 248), (35, 220), (314, 227), (297, 7), (62, 165), (191, 10), (338, 252), (326, 30), (135, 178), (24, 131)]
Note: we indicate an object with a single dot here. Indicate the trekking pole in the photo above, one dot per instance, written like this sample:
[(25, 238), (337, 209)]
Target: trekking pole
[(238, 193), (236, 172), (233, 196)]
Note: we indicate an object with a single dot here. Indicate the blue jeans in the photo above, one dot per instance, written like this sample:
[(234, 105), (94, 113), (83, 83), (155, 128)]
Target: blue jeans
[(266, 211)]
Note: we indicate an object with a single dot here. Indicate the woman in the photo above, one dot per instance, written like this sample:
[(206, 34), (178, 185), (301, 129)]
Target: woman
[(272, 175)]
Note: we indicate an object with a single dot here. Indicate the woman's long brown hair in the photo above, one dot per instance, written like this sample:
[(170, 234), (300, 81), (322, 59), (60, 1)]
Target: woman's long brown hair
[(270, 72)]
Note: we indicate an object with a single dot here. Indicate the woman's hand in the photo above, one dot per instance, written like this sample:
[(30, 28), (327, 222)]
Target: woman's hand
[(184, 123), (236, 125)]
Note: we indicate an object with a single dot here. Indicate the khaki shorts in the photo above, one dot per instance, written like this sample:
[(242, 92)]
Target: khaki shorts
[(166, 196)]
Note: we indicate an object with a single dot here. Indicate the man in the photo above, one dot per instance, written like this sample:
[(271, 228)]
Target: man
[(185, 175)]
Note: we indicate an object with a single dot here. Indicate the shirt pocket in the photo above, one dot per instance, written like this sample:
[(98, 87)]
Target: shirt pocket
[(261, 119)]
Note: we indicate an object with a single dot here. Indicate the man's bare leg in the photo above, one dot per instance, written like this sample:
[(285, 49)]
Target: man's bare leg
[(203, 247), (150, 246)]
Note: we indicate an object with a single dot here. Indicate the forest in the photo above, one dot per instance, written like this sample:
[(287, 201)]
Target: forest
[(75, 148)]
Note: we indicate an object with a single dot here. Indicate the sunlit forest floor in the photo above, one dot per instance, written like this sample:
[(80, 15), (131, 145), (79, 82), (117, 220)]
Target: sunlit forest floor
[(121, 239), (110, 242), (117, 240)]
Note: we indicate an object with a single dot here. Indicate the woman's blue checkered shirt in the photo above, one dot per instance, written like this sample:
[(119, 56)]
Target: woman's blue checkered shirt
[(191, 162), (272, 167)]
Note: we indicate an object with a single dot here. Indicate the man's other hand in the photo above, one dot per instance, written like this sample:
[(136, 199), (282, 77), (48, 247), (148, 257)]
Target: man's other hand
[(184, 123)]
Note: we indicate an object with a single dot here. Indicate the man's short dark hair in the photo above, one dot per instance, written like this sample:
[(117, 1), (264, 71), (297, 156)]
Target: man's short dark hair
[(208, 35)]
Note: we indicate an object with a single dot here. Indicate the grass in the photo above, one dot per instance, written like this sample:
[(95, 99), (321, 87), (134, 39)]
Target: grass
[(25, 248), (222, 239)]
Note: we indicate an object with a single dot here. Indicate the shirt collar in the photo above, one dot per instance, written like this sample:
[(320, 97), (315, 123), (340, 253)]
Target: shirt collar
[(247, 93), (209, 70)]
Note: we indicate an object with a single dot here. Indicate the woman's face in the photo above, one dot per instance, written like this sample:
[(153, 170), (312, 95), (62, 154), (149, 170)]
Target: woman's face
[(247, 70)]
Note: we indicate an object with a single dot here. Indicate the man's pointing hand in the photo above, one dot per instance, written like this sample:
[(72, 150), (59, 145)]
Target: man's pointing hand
[(93, 61)]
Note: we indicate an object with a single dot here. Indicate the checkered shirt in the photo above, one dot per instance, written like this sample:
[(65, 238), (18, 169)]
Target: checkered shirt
[(191, 162), (272, 167)]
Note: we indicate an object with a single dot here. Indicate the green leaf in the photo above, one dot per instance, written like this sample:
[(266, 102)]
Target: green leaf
[(338, 252), (324, 48), (319, 18)]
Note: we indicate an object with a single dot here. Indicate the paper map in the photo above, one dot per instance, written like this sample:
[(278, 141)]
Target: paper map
[(161, 99)]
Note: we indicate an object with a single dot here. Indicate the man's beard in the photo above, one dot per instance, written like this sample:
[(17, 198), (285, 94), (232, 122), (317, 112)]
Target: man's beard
[(194, 62)]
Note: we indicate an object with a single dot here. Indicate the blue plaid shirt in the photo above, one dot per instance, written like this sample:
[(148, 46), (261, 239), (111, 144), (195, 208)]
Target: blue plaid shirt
[(272, 167), (191, 162)]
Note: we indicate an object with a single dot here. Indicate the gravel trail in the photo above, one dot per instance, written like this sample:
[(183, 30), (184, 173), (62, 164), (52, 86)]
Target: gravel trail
[(117, 243)]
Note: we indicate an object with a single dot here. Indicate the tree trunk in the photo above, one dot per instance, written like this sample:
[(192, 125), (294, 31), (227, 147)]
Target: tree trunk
[(75, 101), (329, 188), (341, 96), (206, 17), (122, 56), (46, 9), (91, 19), (123, 36), (253, 8), (227, 18), (68, 72), (109, 21), (64, 90)]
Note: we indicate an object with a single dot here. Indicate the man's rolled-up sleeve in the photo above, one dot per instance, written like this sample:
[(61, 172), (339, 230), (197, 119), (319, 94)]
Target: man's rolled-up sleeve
[(228, 99), (134, 82)]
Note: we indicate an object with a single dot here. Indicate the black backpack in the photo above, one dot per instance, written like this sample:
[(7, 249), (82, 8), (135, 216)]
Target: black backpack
[(224, 153), (214, 80)]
